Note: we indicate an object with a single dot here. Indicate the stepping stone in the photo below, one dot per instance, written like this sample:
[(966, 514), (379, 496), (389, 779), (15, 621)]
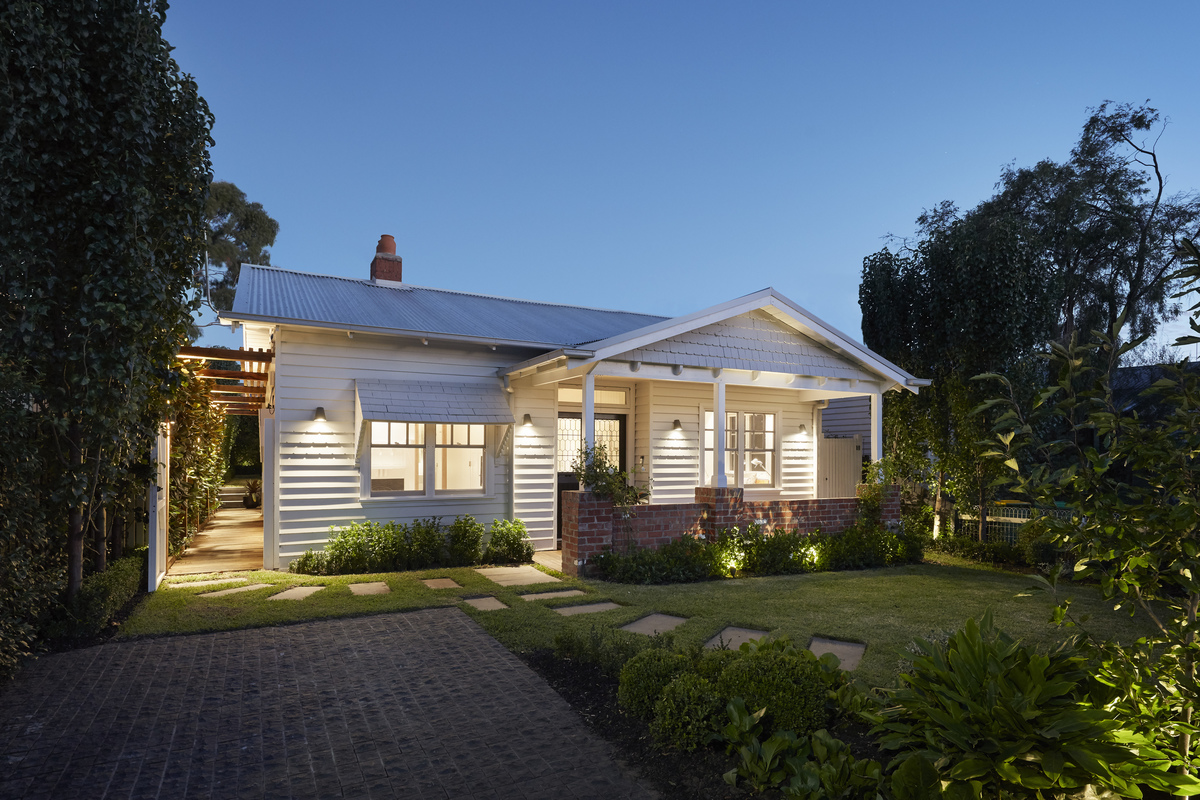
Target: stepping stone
[(376, 587), (849, 653), (485, 603), (173, 585), (734, 637), (592, 608), (236, 589), (296, 593), (441, 583), (654, 624), (516, 576), (552, 595)]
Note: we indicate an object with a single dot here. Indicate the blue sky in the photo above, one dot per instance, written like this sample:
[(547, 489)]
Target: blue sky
[(656, 156)]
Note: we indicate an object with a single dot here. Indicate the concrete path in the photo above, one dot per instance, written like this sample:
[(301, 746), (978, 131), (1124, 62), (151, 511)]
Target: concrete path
[(417, 705)]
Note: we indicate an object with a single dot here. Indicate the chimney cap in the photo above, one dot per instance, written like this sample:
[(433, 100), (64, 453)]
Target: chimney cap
[(387, 244)]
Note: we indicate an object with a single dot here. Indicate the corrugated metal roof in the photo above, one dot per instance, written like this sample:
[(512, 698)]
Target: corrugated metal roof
[(285, 295), (427, 401)]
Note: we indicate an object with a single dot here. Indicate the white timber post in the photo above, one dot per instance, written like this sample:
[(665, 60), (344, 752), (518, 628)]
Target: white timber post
[(270, 490), (589, 410), (719, 479), (876, 426), (159, 511)]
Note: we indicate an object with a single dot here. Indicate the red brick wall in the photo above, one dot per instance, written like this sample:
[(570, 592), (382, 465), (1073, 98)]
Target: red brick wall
[(590, 524)]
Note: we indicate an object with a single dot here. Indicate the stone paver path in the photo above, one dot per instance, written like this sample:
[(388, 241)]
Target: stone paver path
[(374, 587), (249, 588), (849, 653), (654, 624), (734, 637), (180, 584), (516, 576), (441, 583), (485, 603), (591, 608), (552, 595), (296, 593), (416, 705)]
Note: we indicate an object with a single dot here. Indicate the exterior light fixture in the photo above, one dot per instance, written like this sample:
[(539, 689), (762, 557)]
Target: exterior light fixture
[(677, 426), (527, 422), (319, 414), (803, 429)]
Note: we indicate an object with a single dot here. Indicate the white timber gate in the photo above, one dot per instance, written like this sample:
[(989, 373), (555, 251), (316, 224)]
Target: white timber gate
[(839, 466), (160, 509)]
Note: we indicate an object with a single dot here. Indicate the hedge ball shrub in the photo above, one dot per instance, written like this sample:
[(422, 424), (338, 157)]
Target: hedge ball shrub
[(687, 713), (644, 677), (509, 543), (712, 663), (789, 687), (463, 542)]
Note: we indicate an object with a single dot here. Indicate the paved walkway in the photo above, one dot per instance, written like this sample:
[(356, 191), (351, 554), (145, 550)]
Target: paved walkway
[(415, 705), (231, 541)]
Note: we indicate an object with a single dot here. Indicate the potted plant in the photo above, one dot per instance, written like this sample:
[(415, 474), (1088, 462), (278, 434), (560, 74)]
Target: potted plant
[(253, 496)]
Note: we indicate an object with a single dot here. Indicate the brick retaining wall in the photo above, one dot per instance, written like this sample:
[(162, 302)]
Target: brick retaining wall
[(590, 523)]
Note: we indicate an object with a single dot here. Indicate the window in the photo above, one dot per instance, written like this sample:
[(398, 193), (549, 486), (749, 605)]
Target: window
[(404, 455), (749, 450)]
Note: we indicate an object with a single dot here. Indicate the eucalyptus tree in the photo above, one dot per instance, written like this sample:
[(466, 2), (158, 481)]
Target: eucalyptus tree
[(104, 151)]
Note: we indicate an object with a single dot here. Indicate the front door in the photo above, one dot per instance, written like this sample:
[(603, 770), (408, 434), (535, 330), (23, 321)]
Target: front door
[(609, 431)]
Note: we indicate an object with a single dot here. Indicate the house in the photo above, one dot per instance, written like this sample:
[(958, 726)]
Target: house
[(386, 400)]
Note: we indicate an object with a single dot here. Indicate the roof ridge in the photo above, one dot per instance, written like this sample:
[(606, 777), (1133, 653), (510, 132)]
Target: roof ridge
[(410, 286)]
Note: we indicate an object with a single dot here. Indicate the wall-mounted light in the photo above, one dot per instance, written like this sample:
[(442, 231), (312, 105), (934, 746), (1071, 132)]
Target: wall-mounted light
[(677, 425), (527, 422), (803, 429), (319, 414)]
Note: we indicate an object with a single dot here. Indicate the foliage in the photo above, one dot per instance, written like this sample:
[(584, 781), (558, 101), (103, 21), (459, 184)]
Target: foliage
[(427, 543), (103, 148), (509, 543), (241, 435), (609, 649), (788, 686), (103, 594), (239, 232), (823, 768), (599, 475), (686, 713), (998, 553), (1133, 486), (683, 560), (463, 542), (997, 719), (197, 460), (644, 677)]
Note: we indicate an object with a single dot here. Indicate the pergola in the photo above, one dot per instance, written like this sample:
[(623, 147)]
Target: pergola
[(242, 399)]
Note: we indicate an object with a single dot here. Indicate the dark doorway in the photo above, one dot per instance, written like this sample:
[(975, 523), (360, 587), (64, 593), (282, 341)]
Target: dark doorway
[(609, 430)]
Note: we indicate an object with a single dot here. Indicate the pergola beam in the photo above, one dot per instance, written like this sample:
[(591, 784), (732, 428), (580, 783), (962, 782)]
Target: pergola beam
[(231, 374), (219, 354)]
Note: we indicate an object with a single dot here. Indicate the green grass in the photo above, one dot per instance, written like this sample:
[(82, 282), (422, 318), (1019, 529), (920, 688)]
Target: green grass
[(882, 608)]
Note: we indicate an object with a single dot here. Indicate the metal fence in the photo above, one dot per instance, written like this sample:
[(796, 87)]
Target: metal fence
[(1004, 522)]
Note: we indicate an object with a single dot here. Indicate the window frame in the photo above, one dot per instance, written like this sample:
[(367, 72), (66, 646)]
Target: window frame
[(737, 456), (429, 454)]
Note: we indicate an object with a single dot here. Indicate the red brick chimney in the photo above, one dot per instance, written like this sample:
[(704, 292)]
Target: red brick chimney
[(386, 266)]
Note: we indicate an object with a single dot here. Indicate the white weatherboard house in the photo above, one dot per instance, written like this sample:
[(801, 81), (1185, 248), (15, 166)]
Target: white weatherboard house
[(389, 401)]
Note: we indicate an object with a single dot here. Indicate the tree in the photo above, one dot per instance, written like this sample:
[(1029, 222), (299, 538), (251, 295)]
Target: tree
[(104, 149), (239, 233), (1104, 221), (972, 296)]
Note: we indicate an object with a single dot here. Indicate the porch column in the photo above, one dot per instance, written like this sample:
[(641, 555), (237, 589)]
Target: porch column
[(719, 479), (589, 410), (876, 426)]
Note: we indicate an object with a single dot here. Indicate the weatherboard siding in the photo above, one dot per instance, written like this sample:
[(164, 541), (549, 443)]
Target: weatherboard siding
[(320, 482), (847, 416), (535, 480)]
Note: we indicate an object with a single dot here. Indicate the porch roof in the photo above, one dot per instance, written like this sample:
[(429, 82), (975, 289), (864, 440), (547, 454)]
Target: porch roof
[(429, 401)]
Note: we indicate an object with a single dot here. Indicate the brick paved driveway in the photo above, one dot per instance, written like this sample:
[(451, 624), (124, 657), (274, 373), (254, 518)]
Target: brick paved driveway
[(416, 705)]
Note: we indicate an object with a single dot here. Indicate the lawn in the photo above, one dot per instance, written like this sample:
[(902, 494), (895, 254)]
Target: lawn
[(883, 608)]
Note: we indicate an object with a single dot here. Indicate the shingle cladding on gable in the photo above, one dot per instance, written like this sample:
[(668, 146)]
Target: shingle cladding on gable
[(281, 294), (753, 341)]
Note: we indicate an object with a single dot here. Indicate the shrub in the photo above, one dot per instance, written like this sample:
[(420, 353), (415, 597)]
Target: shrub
[(790, 687), (684, 560), (349, 551), (311, 562), (463, 542), (712, 663), (427, 543), (101, 596), (509, 543), (608, 649), (1007, 721), (1036, 547), (644, 677), (686, 713)]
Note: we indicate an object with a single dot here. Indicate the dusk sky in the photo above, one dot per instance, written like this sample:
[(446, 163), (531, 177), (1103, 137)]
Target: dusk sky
[(658, 157)]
